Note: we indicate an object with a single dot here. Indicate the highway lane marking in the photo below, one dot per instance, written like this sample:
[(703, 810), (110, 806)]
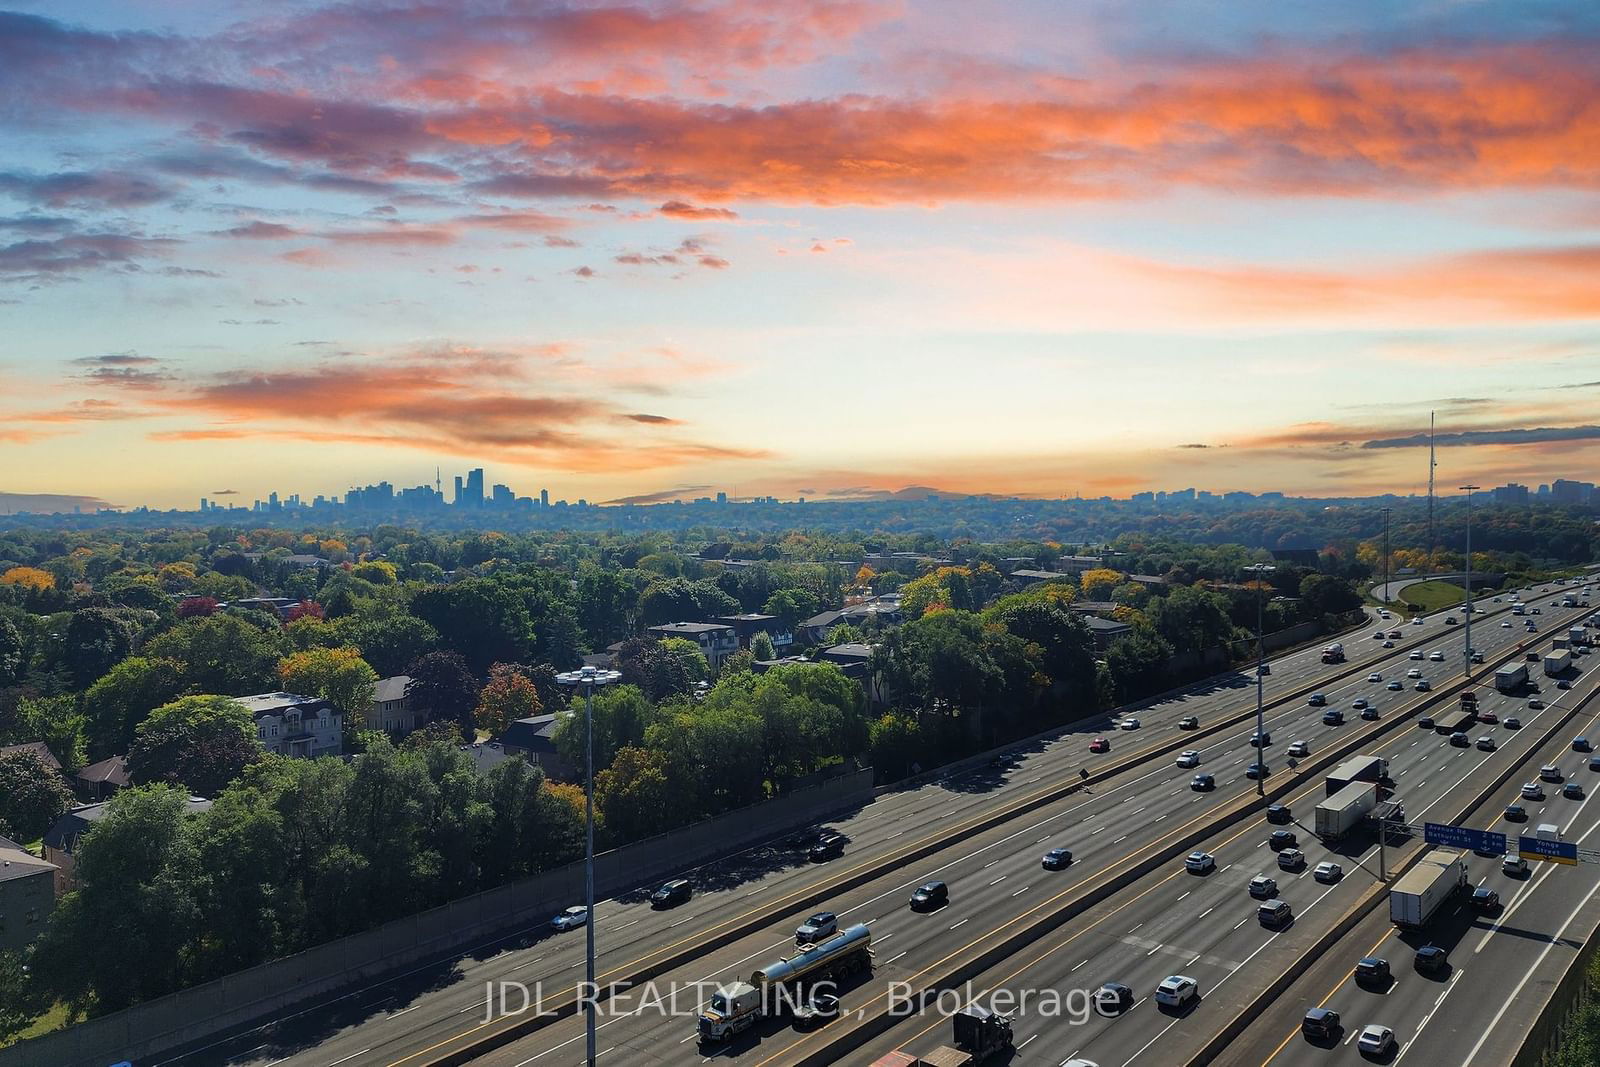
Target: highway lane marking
[(1208, 911), (998, 880), (1021, 891), (1025, 1043), (1428, 1017), (1186, 892), (1527, 890), (963, 921), (1093, 832), (352, 1056), (1080, 964), (891, 959)]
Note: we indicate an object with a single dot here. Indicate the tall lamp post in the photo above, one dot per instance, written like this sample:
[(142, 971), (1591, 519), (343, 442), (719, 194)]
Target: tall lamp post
[(1259, 569), (1386, 554), (588, 679), (1471, 608)]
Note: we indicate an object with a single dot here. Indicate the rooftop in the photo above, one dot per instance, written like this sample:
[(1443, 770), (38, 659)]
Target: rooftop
[(385, 689), (15, 863), (695, 628)]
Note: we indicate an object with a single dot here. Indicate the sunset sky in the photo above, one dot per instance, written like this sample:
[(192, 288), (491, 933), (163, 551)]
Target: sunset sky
[(621, 249)]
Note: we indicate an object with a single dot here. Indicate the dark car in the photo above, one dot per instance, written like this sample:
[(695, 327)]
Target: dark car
[(1113, 998), (1265, 668), (816, 1011), (1372, 970), (1572, 791), (1369, 713), (1581, 744), (1431, 959), (1188, 722), (1282, 839), (1594, 763), (929, 896), (1485, 901), (1426, 722), (1201, 783), (1333, 717), (1257, 770), (1516, 813), (1261, 737), (1317, 700), (826, 849), (1460, 740), (1279, 813), (1321, 1024), (1056, 859), (672, 893)]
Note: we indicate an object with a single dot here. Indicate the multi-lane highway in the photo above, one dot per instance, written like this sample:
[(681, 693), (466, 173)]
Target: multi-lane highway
[(1503, 963), (434, 1011), (995, 879), (1205, 925)]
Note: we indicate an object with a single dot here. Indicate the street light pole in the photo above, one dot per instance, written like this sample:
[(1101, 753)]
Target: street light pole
[(1471, 607), (1386, 554), (587, 679), (1258, 569)]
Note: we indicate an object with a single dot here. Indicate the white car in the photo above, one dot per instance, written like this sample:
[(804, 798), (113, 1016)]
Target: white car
[(1177, 990), (1328, 872), (1200, 862), (1414, 672), (1416, 653), (1506, 625), (570, 919), (1416, 620), (1190, 758), (1375, 1040), (1299, 749), (1375, 677), (1130, 724), (1436, 656)]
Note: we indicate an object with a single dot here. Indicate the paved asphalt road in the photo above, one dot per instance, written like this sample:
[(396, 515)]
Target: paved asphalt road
[(1205, 926), (993, 878), (1503, 965), (407, 1019)]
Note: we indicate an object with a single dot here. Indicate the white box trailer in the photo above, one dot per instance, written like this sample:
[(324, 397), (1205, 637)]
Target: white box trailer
[(1557, 662), (1373, 769), (1418, 894), (1343, 812)]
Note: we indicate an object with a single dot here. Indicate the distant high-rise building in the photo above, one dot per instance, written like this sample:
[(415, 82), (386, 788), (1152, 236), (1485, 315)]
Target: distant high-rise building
[(544, 498), (722, 498), (474, 497), (1565, 491), (503, 497), (205, 505), (457, 501), (1510, 493)]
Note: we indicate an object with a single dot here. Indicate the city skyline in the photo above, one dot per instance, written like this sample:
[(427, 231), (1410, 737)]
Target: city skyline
[(663, 245)]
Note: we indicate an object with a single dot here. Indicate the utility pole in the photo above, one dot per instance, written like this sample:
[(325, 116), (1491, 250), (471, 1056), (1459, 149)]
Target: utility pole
[(1386, 554), (1470, 607), (1260, 569), (1432, 463)]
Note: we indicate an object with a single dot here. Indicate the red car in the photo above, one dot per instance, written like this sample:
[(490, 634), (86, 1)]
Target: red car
[(1488, 716), (1099, 744)]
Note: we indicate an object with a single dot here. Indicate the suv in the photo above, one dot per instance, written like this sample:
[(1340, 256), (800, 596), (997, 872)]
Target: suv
[(1317, 700), (1291, 859), (1333, 717), (1201, 783), (1279, 813), (1431, 959), (674, 892), (1321, 1024), (1200, 862), (1177, 990), (930, 896), (1188, 722), (822, 924), (1274, 913), (1263, 886), (1372, 970)]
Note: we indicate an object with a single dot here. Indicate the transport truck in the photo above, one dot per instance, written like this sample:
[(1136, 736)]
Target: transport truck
[(734, 1008), (1519, 608), (1372, 770), (1557, 662), (1333, 653), (1511, 677), (1437, 877), (980, 1035), (1458, 723), (1343, 812), (1577, 636), (1469, 700)]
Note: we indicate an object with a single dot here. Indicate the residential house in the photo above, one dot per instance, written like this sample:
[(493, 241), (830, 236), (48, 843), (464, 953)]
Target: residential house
[(301, 559), (1027, 576), (38, 749), (717, 640), (391, 707), (100, 780), (277, 605), (61, 840), (487, 755), (1079, 564), (27, 895), (872, 613), (534, 738), (1105, 631), (746, 626), (854, 660), (294, 725)]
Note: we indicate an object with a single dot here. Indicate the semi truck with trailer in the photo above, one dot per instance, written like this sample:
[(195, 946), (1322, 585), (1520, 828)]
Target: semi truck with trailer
[(1577, 636), (1339, 814), (1557, 662), (734, 1008), (1419, 893), (980, 1035), (1373, 770), (1511, 677)]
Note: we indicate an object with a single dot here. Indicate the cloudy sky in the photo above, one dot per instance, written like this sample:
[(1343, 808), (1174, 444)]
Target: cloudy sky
[(620, 247)]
